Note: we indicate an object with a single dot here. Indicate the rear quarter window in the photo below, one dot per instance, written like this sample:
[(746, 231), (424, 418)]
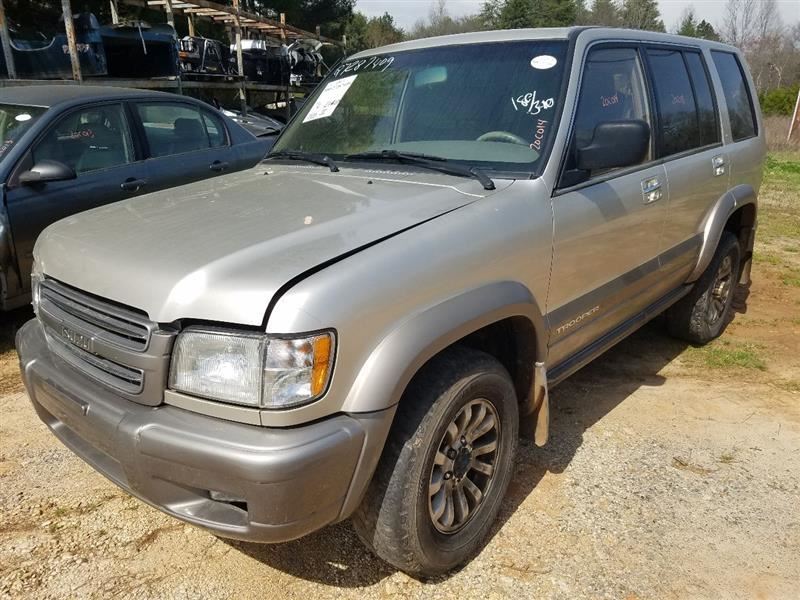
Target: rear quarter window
[(737, 95)]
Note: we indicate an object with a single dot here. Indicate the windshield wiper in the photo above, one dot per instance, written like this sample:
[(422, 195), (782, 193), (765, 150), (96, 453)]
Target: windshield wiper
[(318, 159), (435, 163)]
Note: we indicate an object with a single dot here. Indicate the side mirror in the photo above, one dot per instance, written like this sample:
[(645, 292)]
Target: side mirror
[(47, 170), (615, 144)]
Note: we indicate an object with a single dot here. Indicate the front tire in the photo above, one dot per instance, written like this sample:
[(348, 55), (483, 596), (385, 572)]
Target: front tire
[(446, 465), (704, 313)]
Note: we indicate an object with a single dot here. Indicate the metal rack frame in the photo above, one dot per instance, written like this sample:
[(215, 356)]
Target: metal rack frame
[(238, 20)]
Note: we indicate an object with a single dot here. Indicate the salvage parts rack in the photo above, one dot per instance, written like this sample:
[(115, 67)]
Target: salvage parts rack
[(240, 21)]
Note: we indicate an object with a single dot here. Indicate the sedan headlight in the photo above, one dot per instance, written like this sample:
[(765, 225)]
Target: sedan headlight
[(252, 369), (36, 280)]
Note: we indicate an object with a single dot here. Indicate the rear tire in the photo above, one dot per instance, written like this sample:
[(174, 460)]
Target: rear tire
[(446, 465), (704, 313)]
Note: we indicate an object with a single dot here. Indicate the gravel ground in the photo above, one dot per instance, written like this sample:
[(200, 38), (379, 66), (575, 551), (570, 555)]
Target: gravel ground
[(673, 472), (662, 480)]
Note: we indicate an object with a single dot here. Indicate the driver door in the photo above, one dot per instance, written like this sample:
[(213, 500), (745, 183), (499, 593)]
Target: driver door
[(607, 223), (96, 142)]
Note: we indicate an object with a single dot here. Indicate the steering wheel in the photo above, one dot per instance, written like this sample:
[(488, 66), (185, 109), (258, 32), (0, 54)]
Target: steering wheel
[(503, 136)]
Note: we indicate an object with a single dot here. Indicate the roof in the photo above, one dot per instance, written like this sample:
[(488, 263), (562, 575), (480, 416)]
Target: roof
[(51, 95), (544, 33)]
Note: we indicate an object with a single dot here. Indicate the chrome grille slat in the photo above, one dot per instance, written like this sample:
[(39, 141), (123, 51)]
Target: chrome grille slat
[(111, 344), (111, 373), (117, 325), (103, 321)]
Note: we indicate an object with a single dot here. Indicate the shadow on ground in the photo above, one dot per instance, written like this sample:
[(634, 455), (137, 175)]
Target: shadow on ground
[(334, 556), (10, 322)]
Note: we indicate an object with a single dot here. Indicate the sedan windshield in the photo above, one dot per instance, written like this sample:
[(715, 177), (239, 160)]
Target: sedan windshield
[(487, 105), (14, 122)]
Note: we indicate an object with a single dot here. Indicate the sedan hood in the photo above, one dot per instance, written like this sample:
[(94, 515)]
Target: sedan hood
[(220, 249)]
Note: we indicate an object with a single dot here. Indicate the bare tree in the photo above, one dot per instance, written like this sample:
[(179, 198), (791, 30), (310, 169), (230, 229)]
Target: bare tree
[(739, 25), (767, 18)]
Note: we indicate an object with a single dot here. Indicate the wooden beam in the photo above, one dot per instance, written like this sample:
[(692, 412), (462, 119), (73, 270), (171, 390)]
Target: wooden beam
[(114, 11), (190, 19), (149, 84), (170, 15), (69, 25), (5, 38), (215, 9), (240, 58)]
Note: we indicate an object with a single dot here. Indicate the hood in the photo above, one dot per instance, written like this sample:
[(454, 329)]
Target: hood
[(220, 249)]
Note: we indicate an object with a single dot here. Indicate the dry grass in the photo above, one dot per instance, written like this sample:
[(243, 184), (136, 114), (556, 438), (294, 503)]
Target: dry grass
[(777, 128)]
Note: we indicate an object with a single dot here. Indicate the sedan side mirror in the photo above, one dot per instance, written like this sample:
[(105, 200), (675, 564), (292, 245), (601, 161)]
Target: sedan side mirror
[(47, 170), (615, 144)]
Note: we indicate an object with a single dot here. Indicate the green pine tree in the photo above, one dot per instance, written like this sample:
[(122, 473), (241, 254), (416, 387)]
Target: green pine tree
[(642, 14), (555, 13), (490, 14), (688, 26), (706, 31), (517, 14), (582, 13), (605, 13)]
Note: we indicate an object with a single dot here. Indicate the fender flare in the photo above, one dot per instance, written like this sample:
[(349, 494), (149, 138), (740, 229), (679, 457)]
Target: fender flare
[(401, 353), (715, 222)]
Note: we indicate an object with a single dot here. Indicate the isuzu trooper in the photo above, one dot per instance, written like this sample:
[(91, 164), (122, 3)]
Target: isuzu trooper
[(362, 325)]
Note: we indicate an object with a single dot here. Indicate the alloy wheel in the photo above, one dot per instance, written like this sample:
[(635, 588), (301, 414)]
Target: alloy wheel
[(720, 291), (464, 466)]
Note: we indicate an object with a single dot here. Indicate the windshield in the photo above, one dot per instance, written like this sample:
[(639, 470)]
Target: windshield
[(14, 122), (487, 105)]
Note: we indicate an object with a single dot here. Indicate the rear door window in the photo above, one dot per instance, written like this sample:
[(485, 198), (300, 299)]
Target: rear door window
[(215, 129), (678, 120), (89, 139), (737, 95), (706, 106), (175, 128)]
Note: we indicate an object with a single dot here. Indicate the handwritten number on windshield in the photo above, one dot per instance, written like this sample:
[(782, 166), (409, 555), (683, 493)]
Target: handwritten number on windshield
[(530, 104)]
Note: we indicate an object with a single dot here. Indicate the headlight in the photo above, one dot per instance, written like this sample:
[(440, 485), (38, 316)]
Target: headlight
[(252, 369)]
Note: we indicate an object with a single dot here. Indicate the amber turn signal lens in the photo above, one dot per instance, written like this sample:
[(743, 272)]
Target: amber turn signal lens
[(322, 363)]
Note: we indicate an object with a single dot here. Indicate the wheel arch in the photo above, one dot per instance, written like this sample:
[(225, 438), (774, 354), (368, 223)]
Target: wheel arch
[(478, 318), (472, 318), (736, 211)]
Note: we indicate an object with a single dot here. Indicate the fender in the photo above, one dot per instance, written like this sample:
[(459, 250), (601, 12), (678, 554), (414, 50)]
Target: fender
[(715, 224), (416, 340)]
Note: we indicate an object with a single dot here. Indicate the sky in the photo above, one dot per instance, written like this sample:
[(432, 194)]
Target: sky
[(408, 12)]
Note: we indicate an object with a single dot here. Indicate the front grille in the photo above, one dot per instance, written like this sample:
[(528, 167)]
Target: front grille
[(114, 345), (118, 325), (102, 369)]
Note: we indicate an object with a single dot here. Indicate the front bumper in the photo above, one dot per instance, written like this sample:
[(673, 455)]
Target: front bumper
[(279, 484)]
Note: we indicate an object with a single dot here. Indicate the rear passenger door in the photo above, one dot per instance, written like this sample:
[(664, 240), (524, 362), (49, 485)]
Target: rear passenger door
[(743, 141), (607, 223), (689, 140), (183, 142)]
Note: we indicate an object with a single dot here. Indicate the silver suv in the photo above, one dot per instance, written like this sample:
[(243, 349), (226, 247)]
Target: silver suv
[(362, 325)]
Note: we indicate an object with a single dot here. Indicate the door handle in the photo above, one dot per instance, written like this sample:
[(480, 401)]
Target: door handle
[(718, 165), (133, 185), (651, 190), (218, 166)]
